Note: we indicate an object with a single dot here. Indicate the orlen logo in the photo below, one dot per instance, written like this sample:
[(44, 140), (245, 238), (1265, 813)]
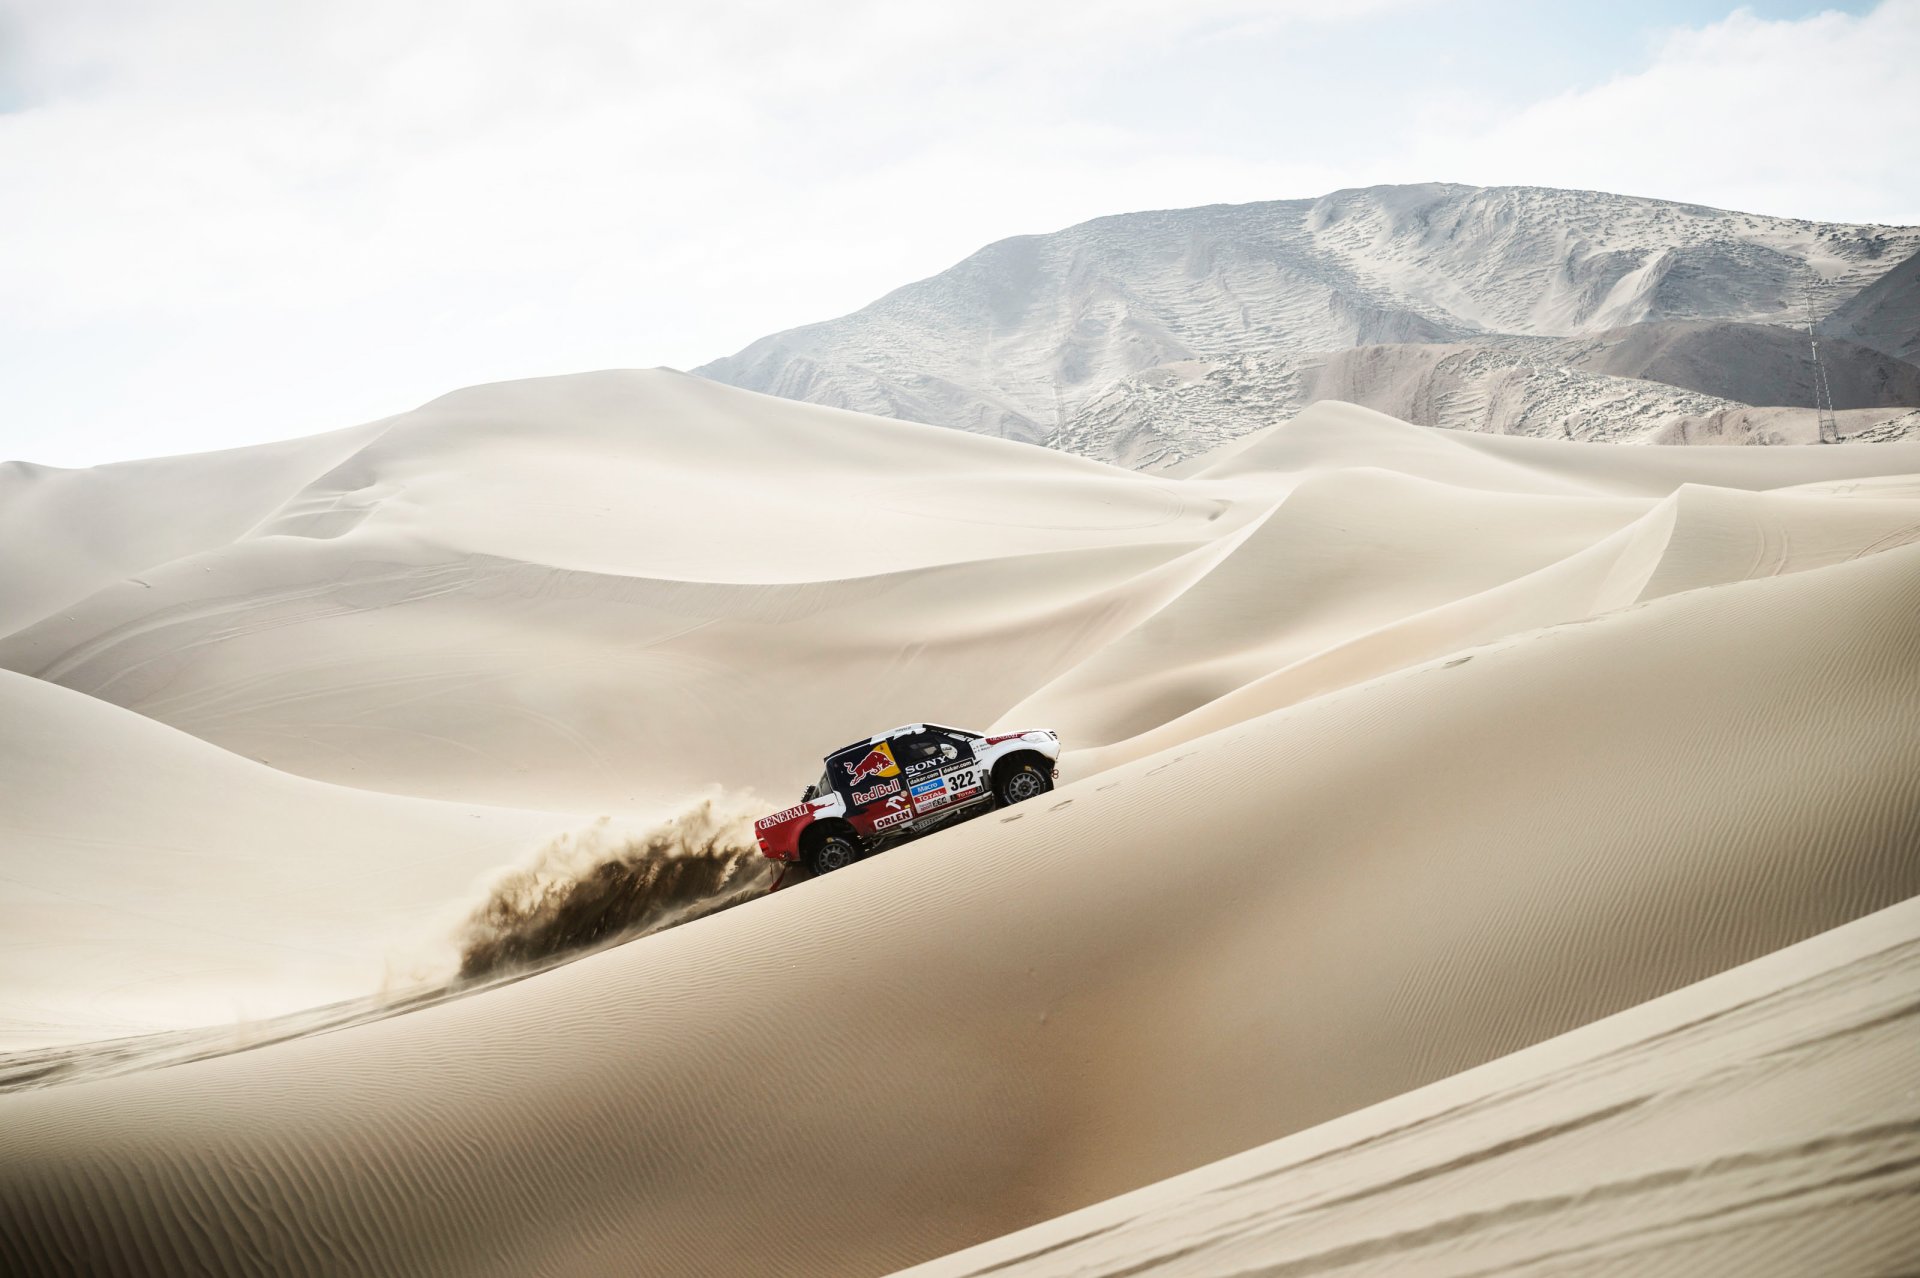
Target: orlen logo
[(878, 762)]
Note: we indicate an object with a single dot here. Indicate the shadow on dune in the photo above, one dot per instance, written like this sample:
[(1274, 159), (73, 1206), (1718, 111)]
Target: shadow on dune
[(584, 891)]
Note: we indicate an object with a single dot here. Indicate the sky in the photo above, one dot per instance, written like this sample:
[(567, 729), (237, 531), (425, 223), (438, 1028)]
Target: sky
[(224, 222)]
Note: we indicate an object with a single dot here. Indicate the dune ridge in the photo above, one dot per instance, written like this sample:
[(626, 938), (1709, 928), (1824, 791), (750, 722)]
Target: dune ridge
[(1392, 752)]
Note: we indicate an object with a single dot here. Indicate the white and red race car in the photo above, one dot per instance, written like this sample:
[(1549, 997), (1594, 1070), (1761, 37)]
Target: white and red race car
[(905, 783)]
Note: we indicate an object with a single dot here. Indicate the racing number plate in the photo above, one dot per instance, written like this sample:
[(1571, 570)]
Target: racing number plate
[(956, 785)]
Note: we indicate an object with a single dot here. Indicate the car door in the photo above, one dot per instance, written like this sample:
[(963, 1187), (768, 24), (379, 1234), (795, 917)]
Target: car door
[(966, 781), (869, 779), (938, 767)]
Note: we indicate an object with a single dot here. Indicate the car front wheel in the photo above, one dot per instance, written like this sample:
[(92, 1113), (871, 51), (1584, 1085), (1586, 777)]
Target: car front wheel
[(1022, 782), (834, 852)]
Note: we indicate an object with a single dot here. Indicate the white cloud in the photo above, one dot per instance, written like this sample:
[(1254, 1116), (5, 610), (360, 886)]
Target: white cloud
[(268, 193), (228, 221), (1814, 117)]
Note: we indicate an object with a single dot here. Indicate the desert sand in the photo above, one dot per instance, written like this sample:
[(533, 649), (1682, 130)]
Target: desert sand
[(1759, 1122), (1393, 752)]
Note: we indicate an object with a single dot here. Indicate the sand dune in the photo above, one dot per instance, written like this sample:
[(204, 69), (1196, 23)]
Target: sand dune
[(552, 595), (67, 533), (1309, 912), (1392, 752), (152, 881), (472, 610), (1715, 1129)]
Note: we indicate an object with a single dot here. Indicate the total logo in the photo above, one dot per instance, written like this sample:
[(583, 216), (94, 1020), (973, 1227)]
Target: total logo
[(877, 762)]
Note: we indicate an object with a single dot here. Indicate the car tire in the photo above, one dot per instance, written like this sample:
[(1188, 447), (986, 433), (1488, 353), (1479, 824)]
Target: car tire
[(832, 852), (1021, 782)]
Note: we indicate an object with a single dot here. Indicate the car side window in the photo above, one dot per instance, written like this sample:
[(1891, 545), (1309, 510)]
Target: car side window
[(921, 749)]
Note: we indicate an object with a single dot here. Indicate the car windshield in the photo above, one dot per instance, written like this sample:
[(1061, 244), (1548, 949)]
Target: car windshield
[(824, 786)]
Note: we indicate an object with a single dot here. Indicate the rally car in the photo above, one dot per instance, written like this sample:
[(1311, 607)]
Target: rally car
[(902, 784)]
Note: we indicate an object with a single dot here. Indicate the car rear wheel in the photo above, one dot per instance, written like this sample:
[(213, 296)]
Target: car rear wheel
[(833, 852), (1021, 782)]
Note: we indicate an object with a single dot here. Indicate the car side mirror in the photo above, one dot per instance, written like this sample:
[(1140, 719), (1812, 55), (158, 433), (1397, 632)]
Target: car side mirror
[(811, 794)]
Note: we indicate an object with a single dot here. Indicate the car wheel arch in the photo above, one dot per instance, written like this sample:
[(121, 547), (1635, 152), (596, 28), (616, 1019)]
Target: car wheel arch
[(820, 829), (1018, 758)]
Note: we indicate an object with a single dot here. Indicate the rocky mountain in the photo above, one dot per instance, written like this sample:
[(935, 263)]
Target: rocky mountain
[(1622, 385), (1150, 337), (1884, 315)]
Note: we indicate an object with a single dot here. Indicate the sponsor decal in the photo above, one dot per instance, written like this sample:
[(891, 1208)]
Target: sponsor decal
[(879, 791), (766, 823), (877, 762), (891, 818), (929, 786), (1011, 736)]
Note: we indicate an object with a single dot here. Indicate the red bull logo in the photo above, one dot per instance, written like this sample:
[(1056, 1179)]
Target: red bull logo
[(880, 791), (878, 762)]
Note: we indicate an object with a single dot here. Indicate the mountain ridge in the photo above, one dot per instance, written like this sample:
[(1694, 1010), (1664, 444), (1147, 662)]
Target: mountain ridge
[(1032, 336)]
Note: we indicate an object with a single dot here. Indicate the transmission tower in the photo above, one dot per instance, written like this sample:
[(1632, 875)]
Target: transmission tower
[(1822, 394)]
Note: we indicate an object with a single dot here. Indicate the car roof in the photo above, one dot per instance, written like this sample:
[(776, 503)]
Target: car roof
[(878, 737)]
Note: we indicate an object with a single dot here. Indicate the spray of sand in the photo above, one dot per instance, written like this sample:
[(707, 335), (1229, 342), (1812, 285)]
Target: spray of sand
[(589, 889), (579, 892)]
